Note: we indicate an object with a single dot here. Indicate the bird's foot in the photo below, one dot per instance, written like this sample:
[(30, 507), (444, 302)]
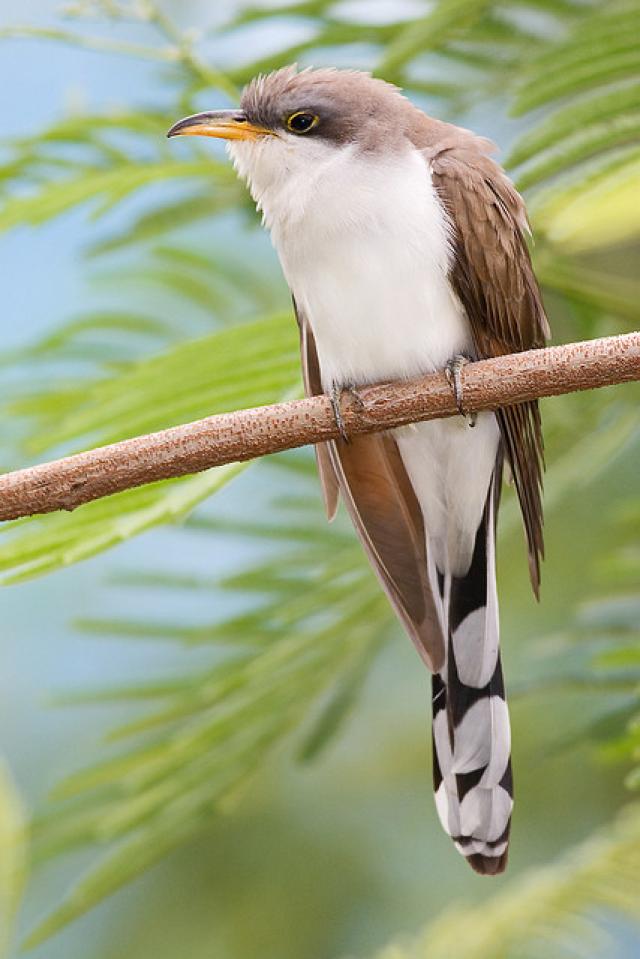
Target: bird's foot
[(335, 396), (452, 371)]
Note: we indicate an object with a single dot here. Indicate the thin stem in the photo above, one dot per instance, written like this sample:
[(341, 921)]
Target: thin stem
[(210, 75), (101, 44)]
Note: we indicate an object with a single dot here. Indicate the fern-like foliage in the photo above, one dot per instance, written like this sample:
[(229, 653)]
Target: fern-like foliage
[(224, 338), (13, 856), (112, 167), (590, 139), (297, 658), (558, 910), (612, 624), (245, 365)]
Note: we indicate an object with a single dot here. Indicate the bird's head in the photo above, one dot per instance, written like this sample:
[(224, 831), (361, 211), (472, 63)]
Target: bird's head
[(293, 122)]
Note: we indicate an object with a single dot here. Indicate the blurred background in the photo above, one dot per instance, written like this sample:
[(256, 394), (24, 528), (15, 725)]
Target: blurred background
[(215, 736)]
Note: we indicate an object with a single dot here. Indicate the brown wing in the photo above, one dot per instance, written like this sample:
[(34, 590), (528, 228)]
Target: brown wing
[(493, 277), (370, 474), (313, 387), (384, 509)]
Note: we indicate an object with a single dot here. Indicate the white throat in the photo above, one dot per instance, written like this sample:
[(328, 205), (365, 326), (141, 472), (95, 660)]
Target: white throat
[(364, 244)]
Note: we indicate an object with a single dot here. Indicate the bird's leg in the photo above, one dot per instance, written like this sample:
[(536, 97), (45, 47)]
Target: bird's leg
[(335, 395), (452, 371), (352, 390)]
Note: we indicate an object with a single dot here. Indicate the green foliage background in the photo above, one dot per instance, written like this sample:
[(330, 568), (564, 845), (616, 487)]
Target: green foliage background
[(295, 682)]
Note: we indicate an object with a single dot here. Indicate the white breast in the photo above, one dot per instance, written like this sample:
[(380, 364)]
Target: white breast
[(364, 243)]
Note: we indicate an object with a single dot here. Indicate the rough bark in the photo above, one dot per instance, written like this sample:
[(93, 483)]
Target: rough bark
[(246, 434)]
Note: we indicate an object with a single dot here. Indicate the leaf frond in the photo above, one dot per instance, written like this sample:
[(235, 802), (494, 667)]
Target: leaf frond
[(557, 907)]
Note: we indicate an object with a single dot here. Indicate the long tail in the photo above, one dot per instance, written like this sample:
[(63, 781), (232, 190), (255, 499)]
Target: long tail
[(471, 735)]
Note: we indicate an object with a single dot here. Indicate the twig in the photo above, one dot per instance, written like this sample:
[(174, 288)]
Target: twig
[(164, 54), (184, 45), (246, 434)]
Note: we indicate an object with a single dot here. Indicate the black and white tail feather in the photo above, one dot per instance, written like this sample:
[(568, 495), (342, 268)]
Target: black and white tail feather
[(471, 734)]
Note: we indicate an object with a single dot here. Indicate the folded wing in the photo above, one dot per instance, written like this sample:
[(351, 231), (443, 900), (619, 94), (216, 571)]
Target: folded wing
[(369, 473), (493, 276)]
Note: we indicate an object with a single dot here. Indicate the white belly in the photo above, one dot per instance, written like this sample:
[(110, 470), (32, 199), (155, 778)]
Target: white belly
[(450, 465), (367, 258), (379, 312), (368, 266)]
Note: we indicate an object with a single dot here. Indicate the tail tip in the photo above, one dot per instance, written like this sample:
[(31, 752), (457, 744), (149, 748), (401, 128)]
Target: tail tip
[(488, 865)]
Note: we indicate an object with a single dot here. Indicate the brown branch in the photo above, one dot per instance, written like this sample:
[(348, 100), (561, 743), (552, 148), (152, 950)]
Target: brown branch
[(246, 434)]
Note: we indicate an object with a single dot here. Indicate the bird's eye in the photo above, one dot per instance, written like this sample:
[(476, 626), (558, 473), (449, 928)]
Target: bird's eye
[(302, 122)]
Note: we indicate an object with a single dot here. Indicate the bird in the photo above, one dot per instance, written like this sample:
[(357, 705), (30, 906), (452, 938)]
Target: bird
[(403, 243)]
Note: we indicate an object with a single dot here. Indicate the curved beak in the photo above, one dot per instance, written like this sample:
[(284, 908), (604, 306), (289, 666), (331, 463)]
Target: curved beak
[(223, 124)]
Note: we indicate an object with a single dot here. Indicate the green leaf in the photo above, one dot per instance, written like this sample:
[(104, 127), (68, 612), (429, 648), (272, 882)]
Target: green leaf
[(601, 50), (611, 294), (244, 366), (575, 149), (551, 910), (620, 612), (595, 209), (591, 206), (582, 76), (250, 364), (13, 857), (581, 464), (447, 19), (335, 712), (573, 119), (58, 196), (151, 844), (171, 216), (84, 127), (207, 733), (42, 545), (73, 338), (102, 44)]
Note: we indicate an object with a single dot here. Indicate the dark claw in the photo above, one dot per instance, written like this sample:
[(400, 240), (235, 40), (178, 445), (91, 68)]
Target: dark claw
[(452, 371), (356, 396)]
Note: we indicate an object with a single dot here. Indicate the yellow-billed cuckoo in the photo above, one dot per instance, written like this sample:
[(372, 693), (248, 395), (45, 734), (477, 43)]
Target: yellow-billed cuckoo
[(403, 244)]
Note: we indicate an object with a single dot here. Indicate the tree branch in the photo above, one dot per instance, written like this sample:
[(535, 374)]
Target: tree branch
[(246, 434)]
